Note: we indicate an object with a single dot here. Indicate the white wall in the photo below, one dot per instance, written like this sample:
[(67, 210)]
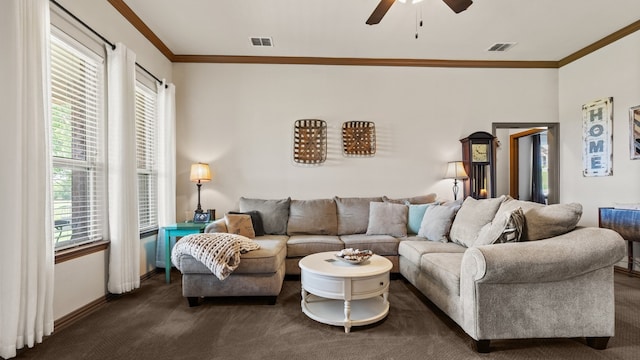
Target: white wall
[(239, 118), (83, 280), (611, 71)]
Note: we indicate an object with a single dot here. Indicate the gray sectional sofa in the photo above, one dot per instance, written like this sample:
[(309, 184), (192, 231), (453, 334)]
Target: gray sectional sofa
[(500, 268)]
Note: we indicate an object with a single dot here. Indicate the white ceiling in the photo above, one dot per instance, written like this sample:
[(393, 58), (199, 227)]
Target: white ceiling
[(543, 29)]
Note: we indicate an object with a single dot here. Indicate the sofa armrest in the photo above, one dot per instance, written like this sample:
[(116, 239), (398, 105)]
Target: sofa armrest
[(217, 226), (562, 257)]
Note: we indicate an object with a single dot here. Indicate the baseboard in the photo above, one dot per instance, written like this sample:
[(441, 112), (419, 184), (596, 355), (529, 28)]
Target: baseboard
[(150, 274), (622, 270), (77, 314), (87, 309)]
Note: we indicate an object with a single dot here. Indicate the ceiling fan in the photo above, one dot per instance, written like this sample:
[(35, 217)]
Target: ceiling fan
[(378, 13)]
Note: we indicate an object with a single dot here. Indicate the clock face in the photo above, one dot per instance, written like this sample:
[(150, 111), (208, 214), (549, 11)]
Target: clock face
[(479, 152)]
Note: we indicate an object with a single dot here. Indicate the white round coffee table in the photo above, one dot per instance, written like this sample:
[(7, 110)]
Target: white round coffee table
[(337, 293)]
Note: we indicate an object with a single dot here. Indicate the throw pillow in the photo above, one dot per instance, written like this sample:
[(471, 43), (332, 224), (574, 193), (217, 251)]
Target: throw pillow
[(506, 227), (240, 225), (353, 214), (274, 213), (545, 221), (256, 220), (387, 219), (422, 199), (416, 213), (472, 216), (436, 222)]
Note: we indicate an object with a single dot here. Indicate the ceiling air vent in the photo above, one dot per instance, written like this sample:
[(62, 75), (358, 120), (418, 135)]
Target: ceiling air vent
[(261, 41), (501, 46)]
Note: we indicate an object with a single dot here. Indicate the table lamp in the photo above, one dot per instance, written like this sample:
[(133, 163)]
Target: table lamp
[(200, 173), (455, 171)]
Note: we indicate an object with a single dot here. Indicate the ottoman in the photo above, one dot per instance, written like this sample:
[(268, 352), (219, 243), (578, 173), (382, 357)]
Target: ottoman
[(260, 273)]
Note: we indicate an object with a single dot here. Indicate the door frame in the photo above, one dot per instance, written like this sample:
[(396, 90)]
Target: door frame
[(514, 159), (553, 140)]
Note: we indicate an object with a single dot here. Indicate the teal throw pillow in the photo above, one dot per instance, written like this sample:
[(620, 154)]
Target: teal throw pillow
[(416, 213)]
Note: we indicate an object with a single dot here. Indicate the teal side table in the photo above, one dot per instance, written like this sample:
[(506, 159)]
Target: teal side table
[(174, 230)]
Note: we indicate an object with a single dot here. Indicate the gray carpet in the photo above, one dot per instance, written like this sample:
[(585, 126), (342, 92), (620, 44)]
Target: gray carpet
[(155, 322)]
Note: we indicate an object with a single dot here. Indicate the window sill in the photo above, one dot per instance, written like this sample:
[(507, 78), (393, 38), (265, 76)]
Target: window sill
[(79, 251)]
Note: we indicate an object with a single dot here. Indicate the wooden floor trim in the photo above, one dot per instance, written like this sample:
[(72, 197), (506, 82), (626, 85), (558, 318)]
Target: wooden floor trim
[(89, 308), (622, 270)]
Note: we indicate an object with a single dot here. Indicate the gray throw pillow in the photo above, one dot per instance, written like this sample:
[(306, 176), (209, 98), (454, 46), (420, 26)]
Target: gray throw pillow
[(353, 214), (387, 219), (507, 226), (472, 216), (421, 199), (545, 221), (274, 213), (436, 222)]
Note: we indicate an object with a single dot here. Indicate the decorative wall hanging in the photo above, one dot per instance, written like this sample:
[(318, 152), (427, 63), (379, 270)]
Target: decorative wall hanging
[(634, 131), (359, 138), (310, 141), (597, 137)]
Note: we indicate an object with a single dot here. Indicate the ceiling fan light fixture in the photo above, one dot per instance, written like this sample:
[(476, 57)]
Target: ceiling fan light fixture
[(412, 1)]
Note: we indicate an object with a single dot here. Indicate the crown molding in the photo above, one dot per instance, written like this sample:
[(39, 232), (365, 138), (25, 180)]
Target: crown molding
[(135, 20), (609, 39), (293, 60)]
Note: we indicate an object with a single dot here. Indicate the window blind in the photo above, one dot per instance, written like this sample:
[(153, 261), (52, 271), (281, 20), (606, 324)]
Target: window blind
[(77, 169), (146, 157)]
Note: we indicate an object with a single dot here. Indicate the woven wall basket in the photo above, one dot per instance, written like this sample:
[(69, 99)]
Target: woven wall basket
[(310, 141), (359, 138)]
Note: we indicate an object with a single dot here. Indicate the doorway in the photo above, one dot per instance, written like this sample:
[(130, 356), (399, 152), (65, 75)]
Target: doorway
[(510, 178)]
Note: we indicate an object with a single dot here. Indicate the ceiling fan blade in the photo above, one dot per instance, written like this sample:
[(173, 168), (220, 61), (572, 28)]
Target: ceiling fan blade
[(379, 11), (458, 6)]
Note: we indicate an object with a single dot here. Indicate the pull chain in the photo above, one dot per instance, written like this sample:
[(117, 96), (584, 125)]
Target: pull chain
[(418, 22)]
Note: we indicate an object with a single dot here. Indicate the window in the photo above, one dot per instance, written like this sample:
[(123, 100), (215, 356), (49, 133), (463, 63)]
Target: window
[(146, 157), (77, 164)]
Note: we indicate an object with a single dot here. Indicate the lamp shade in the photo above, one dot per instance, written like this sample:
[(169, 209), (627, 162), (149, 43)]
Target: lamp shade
[(200, 172), (455, 170)]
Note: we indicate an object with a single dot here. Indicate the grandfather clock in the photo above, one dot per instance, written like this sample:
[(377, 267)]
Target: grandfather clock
[(479, 158)]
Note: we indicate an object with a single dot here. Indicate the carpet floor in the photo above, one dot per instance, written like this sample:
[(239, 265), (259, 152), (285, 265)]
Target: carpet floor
[(154, 322)]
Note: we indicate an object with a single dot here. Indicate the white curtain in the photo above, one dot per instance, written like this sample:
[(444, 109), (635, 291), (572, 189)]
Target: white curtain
[(124, 235), (166, 135), (26, 247)]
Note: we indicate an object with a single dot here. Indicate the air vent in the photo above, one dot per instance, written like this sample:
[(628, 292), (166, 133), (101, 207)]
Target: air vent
[(501, 46), (261, 41)]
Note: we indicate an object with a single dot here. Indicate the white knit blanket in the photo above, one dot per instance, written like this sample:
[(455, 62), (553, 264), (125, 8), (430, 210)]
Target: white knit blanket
[(220, 252)]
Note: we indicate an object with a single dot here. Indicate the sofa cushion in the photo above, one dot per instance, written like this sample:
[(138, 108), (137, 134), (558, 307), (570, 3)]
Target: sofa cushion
[(436, 222), (312, 217), (507, 226), (545, 221), (240, 225), (413, 250), (421, 199), (353, 214), (387, 219), (444, 269), (379, 244), (274, 213), (416, 213), (303, 245), (472, 216), (266, 260), (256, 220)]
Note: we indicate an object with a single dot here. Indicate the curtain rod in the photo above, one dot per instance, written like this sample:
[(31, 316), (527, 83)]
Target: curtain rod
[(106, 41)]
